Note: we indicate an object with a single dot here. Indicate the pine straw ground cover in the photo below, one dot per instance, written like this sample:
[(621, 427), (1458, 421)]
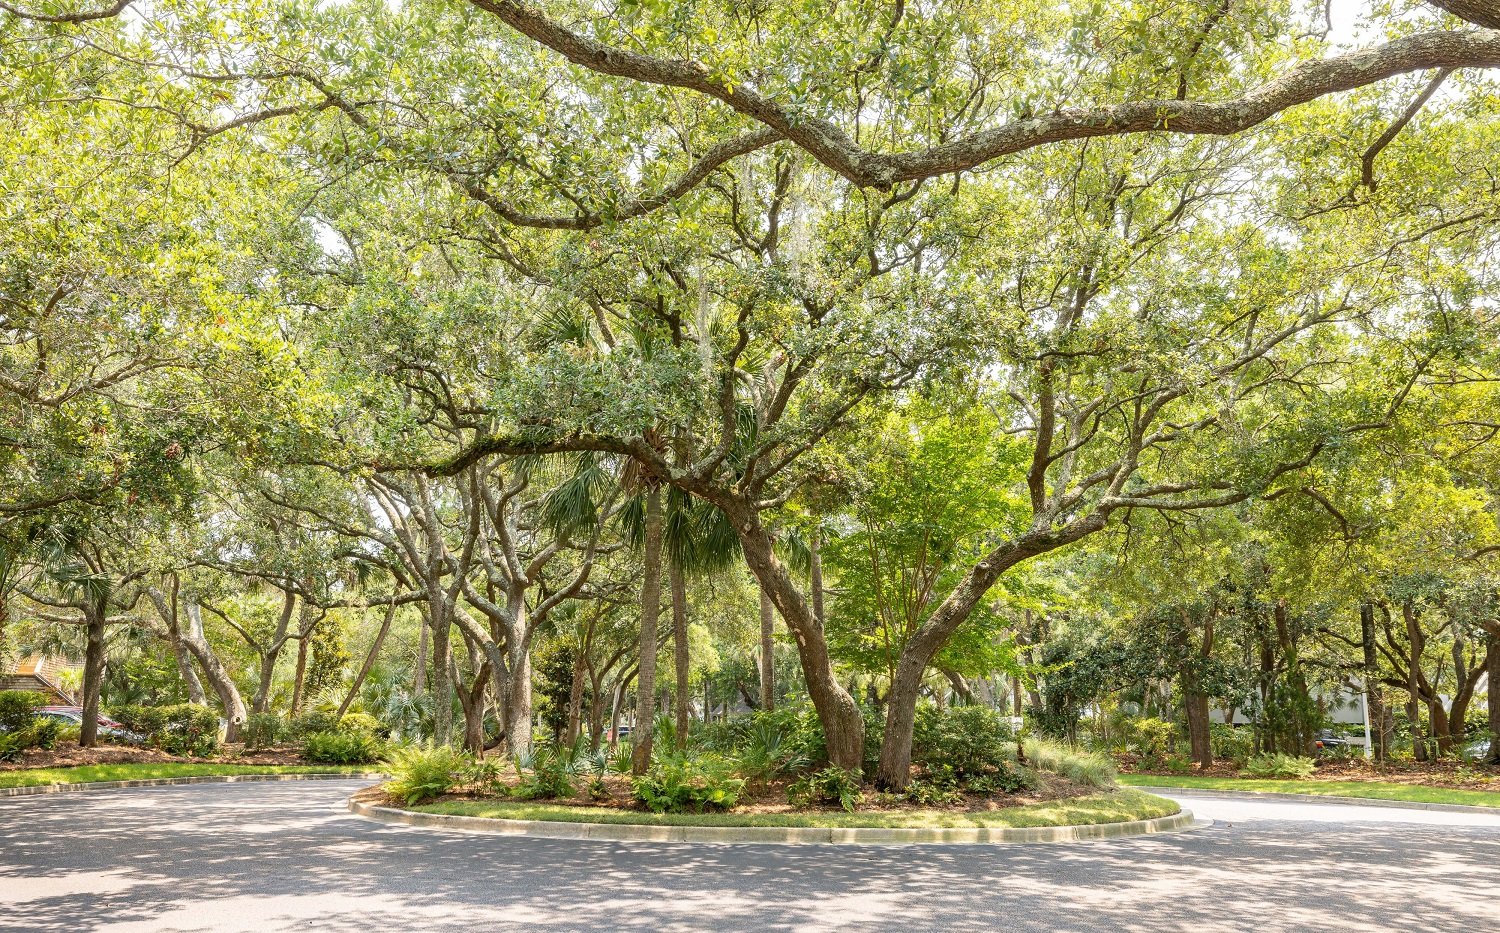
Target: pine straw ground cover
[(765, 804)]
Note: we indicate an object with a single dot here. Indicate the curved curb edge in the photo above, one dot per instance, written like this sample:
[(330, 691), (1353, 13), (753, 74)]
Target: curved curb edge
[(38, 789), (1168, 791), (784, 835)]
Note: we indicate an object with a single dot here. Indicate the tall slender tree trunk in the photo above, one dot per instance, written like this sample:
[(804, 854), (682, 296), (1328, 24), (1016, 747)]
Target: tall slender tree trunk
[(680, 655), (575, 695), (645, 689), (93, 674), (369, 663), (299, 677), (815, 574), (419, 678), (167, 608), (1413, 683), (1493, 669), (767, 653), (1374, 696)]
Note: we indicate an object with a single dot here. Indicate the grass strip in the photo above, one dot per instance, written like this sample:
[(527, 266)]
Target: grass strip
[(1374, 790), (83, 774)]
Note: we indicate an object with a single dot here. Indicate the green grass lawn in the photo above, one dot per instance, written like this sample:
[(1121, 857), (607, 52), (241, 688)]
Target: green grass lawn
[(32, 777), (1378, 790), (1116, 807)]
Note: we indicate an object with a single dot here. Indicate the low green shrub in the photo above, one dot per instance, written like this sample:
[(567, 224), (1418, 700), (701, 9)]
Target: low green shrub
[(484, 775), (828, 786), (1081, 767), (45, 733), (1007, 779), (18, 709), (262, 730), (767, 752), (361, 722), (1230, 743), (12, 744), (1152, 739), (679, 784), (969, 739), (938, 787), (184, 729), (545, 774), (1279, 765), (300, 727), (341, 748), (422, 772)]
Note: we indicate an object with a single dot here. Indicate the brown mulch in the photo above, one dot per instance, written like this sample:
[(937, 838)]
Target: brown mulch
[(69, 756), (768, 797), (1447, 772)]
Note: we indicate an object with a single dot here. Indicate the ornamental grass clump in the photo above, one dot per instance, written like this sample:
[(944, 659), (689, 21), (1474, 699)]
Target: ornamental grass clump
[(1279, 765), (1088, 768)]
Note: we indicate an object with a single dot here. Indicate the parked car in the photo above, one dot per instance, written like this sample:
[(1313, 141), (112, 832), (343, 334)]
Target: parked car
[(108, 728), (1330, 743), (1477, 751)]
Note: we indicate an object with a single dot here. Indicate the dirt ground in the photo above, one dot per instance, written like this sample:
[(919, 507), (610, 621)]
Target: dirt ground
[(68, 756)]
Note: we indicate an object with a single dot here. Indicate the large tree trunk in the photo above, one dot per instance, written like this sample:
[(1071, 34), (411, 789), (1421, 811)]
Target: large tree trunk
[(442, 684), (1195, 700), (645, 690), (767, 652), (213, 669), (517, 693), (270, 654), (419, 677), (1479, 12), (93, 675)]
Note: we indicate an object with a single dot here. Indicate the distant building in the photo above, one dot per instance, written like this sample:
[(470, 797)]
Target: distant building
[(41, 674)]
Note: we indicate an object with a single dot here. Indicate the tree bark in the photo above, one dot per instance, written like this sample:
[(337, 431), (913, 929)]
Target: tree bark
[(1413, 683), (1374, 698), (1493, 666), (645, 690), (680, 655), (168, 612), (575, 695), (767, 661), (93, 674)]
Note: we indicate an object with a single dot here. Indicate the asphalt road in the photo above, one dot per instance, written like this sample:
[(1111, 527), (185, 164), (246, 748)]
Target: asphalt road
[(263, 857)]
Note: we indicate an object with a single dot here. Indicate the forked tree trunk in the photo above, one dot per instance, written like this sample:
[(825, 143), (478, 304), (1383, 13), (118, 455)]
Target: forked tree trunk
[(645, 690), (213, 669), (680, 657)]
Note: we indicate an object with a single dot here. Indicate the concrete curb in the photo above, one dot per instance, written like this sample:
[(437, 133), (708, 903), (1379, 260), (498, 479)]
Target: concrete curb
[(194, 779), (1317, 798), (783, 835)]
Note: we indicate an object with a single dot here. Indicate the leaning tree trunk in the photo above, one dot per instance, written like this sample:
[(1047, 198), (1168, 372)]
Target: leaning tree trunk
[(365, 668), (680, 656), (645, 687), (213, 669), (1374, 698), (767, 653), (180, 652), (93, 676)]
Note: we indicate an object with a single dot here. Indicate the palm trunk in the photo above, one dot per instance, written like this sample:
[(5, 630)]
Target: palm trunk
[(645, 688), (680, 650)]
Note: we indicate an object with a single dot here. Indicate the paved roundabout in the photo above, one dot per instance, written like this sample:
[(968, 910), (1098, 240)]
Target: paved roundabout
[(289, 856)]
